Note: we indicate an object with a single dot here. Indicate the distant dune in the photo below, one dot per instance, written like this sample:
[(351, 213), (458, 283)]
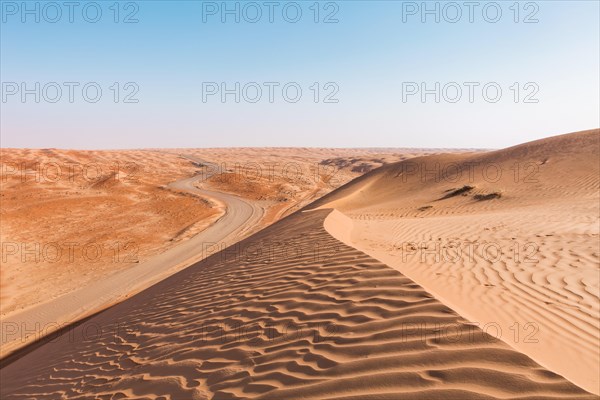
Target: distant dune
[(71, 217), (339, 304)]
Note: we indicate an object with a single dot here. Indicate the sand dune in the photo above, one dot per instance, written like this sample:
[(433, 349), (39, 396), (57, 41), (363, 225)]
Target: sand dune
[(517, 251), (336, 302), (286, 314)]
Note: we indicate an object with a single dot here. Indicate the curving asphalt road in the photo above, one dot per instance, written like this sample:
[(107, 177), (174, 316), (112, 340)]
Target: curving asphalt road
[(240, 216)]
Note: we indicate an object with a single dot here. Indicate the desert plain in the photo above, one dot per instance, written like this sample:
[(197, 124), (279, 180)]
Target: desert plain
[(302, 273)]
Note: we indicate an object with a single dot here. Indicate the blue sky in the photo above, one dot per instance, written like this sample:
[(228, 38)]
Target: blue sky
[(373, 55)]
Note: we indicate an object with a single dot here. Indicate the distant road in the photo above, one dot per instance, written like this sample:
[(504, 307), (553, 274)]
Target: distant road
[(239, 217)]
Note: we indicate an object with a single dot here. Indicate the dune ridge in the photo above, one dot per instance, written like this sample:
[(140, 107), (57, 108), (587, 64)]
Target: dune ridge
[(289, 313)]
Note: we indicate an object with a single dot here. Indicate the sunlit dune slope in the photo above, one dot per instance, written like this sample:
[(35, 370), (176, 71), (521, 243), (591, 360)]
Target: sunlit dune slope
[(507, 238)]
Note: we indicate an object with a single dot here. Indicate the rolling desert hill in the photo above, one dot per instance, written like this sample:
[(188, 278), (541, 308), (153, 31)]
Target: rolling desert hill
[(335, 301), (508, 239)]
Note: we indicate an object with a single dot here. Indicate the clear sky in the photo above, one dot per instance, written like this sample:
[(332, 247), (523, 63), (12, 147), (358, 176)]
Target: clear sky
[(361, 68)]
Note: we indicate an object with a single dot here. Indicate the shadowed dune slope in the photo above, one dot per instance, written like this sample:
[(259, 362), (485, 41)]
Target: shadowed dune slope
[(288, 313)]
